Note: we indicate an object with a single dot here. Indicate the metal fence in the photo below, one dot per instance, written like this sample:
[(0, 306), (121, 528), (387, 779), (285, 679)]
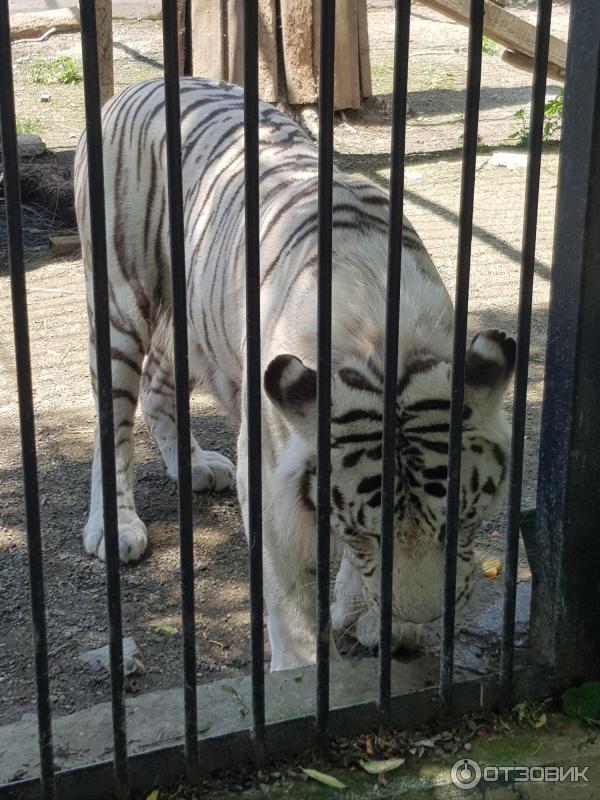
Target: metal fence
[(565, 609)]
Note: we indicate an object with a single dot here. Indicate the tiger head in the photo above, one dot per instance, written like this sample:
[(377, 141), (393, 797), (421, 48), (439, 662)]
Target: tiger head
[(422, 416)]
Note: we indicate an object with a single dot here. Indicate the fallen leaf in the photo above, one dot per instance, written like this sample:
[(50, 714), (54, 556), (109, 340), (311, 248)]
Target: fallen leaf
[(424, 743), (540, 721), (153, 795), (168, 629), (321, 777), (379, 767), (492, 567)]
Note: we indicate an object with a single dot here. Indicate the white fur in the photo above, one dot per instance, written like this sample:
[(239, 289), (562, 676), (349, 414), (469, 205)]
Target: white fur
[(135, 175)]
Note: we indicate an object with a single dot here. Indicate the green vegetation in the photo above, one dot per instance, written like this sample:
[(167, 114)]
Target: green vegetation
[(489, 46), (553, 111), (28, 126), (62, 69), (583, 702), (521, 135)]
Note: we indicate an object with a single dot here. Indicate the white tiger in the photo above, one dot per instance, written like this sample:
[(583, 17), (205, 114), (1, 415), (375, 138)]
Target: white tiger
[(213, 185)]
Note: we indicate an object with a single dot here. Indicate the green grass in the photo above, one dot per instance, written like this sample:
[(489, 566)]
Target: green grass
[(489, 46), (28, 126), (62, 69)]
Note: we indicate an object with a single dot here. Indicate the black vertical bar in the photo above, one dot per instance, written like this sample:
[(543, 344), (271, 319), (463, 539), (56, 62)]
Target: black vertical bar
[(188, 62), (461, 308), (182, 381), (326, 65), (565, 607), (89, 45), (392, 322), (14, 225), (532, 190), (253, 366)]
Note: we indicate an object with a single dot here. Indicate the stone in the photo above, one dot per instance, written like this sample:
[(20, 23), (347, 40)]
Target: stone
[(29, 145), (99, 659), (509, 160)]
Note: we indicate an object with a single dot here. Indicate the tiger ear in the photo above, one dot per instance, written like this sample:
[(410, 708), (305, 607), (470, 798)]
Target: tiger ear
[(292, 388), (490, 362)]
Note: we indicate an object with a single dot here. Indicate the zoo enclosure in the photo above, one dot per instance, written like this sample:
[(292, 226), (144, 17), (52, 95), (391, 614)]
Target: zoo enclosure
[(565, 616)]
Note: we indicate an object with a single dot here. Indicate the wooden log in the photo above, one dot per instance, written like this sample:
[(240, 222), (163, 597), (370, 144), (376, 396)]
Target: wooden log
[(105, 49), (218, 48), (525, 63), (297, 38), (267, 47), (347, 76), (28, 25), (235, 41), (268, 88), (503, 27), (347, 69), (181, 34), (209, 37), (366, 88), (218, 43)]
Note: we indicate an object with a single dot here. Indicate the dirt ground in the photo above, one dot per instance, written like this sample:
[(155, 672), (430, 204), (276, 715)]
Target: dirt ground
[(63, 404)]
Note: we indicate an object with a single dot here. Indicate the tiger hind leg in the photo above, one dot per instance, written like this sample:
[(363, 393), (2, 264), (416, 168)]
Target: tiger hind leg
[(211, 471), (127, 353)]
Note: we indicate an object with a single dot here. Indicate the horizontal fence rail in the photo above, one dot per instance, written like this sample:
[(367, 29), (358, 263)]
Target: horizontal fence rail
[(259, 738)]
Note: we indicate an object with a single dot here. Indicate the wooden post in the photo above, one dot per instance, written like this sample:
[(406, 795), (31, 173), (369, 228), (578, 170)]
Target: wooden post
[(347, 61), (366, 87), (218, 48), (105, 49), (209, 37), (350, 62), (297, 36), (267, 52), (181, 4)]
